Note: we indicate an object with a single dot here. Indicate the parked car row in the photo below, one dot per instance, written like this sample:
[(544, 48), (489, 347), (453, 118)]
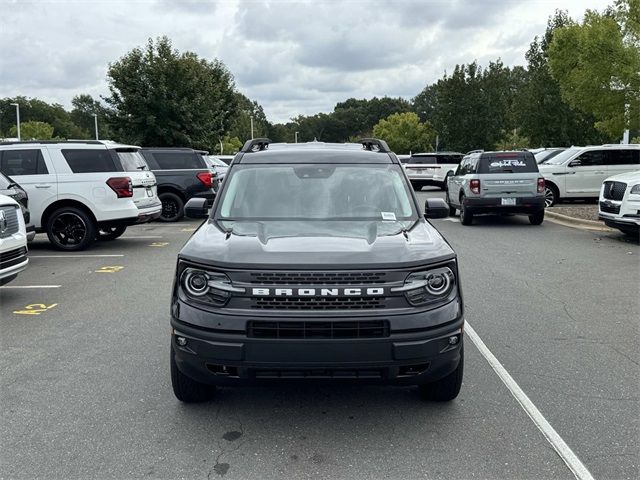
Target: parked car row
[(619, 202), (78, 192)]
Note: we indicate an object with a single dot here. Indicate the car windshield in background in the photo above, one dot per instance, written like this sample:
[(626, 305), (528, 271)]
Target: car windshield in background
[(562, 157), (435, 159), (217, 161), (508, 163), (318, 192), (546, 155), (131, 160)]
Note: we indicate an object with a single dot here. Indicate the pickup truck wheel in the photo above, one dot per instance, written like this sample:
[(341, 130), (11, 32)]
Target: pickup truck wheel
[(186, 389), (537, 218), (111, 233), (172, 207), (447, 388), (70, 229), (466, 217)]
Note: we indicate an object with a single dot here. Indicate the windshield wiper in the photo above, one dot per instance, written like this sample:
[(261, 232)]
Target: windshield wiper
[(141, 167)]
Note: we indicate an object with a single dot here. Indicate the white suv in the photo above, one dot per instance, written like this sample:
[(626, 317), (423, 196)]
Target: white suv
[(84, 190), (619, 205), (13, 240), (578, 172)]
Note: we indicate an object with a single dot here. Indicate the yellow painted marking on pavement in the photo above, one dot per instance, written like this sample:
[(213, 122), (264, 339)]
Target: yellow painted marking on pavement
[(35, 309), (109, 269), (159, 244)]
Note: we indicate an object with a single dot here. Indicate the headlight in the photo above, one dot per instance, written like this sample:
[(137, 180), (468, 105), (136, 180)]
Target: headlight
[(207, 287), (635, 189), (430, 286)]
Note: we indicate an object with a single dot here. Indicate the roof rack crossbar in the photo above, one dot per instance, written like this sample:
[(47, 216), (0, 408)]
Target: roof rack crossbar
[(256, 145), (375, 145)]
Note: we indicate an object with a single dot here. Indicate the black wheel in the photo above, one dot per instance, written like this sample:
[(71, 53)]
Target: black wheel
[(466, 217), (551, 195), (447, 388), (172, 207), (187, 390), (71, 229), (537, 218), (111, 233), (417, 186)]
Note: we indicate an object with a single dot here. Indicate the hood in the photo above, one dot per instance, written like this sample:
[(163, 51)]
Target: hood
[(629, 177), (421, 245)]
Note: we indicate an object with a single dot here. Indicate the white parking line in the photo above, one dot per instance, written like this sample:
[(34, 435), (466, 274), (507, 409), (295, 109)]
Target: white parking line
[(142, 236), (451, 219), (75, 256), (560, 446), (6, 287)]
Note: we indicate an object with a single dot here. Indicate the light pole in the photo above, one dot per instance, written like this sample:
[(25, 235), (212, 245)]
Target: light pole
[(627, 122), (296, 137), (251, 117), (17, 105), (95, 122)]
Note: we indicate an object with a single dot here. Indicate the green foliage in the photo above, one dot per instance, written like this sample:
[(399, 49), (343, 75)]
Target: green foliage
[(231, 145), (405, 133), (160, 97), (539, 108), (32, 109), (33, 131), (635, 140), (597, 64), (84, 106), (512, 141)]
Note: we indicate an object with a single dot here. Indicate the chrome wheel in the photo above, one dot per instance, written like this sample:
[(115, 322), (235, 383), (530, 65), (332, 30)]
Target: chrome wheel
[(549, 197)]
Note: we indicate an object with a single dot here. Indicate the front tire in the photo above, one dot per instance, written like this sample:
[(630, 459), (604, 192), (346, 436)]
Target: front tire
[(111, 233), (172, 207), (447, 388), (186, 389), (466, 217), (537, 218), (71, 229)]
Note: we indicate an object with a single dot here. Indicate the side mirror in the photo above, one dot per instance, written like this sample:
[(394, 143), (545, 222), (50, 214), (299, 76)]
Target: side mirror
[(436, 208), (196, 208), (450, 173), (575, 163)]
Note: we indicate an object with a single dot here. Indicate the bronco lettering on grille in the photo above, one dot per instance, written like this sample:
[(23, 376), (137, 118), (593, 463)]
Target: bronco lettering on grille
[(317, 292)]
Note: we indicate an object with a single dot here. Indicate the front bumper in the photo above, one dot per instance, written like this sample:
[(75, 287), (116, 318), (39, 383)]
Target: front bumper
[(494, 205), (403, 357), (31, 232), (16, 264)]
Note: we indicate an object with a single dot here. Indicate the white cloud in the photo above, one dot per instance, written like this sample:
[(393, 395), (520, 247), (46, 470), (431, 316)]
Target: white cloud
[(292, 57)]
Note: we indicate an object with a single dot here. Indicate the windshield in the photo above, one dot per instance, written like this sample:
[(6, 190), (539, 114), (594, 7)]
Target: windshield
[(216, 161), (562, 157), (546, 155), (318, 192), (132, 160)]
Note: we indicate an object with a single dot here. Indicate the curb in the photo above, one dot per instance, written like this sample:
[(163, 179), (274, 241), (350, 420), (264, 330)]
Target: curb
[(567, 221)]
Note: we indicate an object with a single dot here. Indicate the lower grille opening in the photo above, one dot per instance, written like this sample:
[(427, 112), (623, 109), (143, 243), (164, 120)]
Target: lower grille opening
[(412, 370), (318, 373), (321, 303), (340, 329), (609, 208), (223, 370)]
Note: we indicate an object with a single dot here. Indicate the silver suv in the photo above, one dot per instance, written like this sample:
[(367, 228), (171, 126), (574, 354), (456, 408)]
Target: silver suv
[(496, 183)]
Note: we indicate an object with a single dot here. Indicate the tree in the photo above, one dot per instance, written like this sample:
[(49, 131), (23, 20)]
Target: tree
[(84, 107), (33, 131), (405, 133), (161, 97), (241, 126), (540, 110), (231, 145), (597, 64), (33, 109), (512, 141)]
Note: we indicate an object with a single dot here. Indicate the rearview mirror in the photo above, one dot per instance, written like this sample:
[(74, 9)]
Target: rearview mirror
[(436, 208), (196, 208), (575, 163)]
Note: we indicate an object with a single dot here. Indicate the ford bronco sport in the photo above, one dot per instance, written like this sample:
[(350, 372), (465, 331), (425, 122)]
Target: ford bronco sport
[(316, 262)]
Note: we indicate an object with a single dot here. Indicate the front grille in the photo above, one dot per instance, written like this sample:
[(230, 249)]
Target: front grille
[(12, 257), (340, 329), (11, 217), (317, 303), (317, 278), (614, 190), (608, 208), (319, 373)]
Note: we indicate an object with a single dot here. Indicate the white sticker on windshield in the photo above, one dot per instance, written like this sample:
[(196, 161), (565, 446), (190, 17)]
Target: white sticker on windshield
[(388, 216)]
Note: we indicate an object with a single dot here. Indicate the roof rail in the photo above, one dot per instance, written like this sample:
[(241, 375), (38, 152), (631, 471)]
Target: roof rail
[(375, 145), (255, 145), (51, 142)]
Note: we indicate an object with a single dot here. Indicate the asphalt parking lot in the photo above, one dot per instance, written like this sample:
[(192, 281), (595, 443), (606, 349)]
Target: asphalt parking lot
[(85, 388)]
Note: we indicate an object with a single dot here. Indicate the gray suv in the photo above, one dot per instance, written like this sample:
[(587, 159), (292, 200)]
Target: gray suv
[(497, 183)]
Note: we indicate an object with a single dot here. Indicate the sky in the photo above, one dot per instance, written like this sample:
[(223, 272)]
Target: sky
[(292, 57)]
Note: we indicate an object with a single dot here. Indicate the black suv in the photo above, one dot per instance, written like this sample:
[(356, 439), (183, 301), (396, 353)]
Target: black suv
[(181, 174), (316, 262)]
